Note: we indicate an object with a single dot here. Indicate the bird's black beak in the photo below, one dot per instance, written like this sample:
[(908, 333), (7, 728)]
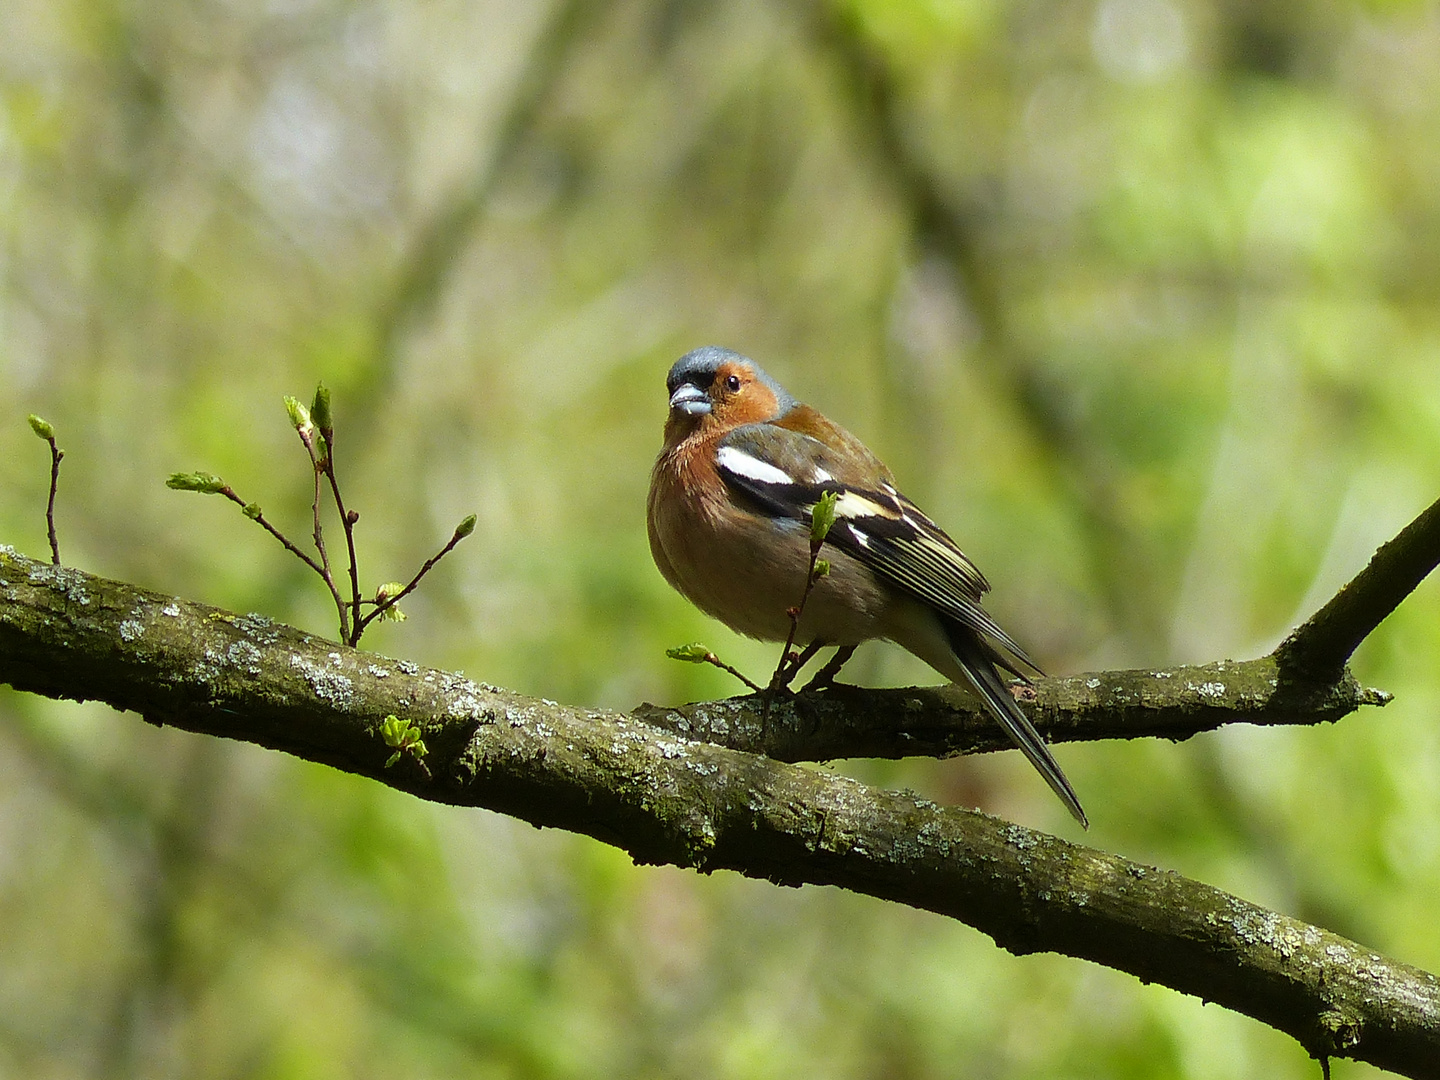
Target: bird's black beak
[(690, 400)]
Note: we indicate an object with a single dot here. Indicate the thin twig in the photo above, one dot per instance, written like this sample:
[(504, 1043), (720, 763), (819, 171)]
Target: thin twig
[(385, 605), (782, 669), (349, 526), (822, 516), (790, 663), (255, 514), (55, 456), (1322, 646), (308, 438), (713, 660)]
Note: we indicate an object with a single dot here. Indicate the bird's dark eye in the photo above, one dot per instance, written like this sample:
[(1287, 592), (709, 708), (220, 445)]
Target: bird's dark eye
[(732, 383)]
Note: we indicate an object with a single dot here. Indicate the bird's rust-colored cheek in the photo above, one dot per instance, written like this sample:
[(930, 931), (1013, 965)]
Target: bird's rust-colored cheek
[(753, 403)]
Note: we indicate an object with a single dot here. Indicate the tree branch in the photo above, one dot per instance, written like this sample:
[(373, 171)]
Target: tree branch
[(667, 799), (941, 721), (1324, 644)]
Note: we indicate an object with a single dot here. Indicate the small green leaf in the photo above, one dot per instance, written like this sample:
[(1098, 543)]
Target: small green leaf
[(204, 483), (252, 511), (694, 653), (822, 568), (299, 415), (320, 408), (465, 528), (41, 427), (403, 737), (822, 517), (384, 593)]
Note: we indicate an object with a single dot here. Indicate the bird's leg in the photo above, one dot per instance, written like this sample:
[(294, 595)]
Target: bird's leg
[(825, 677)]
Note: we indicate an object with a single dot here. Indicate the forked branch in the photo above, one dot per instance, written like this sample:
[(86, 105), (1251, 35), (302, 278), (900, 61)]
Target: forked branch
[(1324, 644)]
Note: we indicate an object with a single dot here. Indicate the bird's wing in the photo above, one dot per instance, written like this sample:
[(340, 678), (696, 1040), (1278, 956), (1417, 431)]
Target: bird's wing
[(783, 473)]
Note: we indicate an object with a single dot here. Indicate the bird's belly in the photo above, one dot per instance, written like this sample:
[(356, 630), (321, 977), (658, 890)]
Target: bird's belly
[(751, 570)]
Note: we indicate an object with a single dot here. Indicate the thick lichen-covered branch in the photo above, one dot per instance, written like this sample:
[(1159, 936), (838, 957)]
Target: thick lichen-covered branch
[(670, 799)]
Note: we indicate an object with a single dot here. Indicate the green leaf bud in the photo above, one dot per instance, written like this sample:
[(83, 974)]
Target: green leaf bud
[(822, 517), (384, 593), (694, 653), (320, 409), (204, 483), (299, 415), (252, 511), (465, 528), (41, 427), (392, 730)]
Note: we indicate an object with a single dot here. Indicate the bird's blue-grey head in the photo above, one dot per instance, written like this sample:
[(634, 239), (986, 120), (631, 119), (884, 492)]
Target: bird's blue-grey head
[(691, 381)]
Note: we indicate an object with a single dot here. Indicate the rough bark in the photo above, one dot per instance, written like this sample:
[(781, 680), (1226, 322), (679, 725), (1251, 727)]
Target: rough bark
[(670, 798)]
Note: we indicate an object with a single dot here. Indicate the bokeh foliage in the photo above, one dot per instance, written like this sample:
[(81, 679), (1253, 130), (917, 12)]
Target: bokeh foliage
[(1138, 298)]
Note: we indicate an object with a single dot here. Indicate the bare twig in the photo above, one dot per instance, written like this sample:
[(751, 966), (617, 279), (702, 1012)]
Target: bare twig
[(699, 654), (348, 518), (1323, 645), (320, 415), (318, 455), (464, 529), (55, 455), (255, 514), (42, 428)]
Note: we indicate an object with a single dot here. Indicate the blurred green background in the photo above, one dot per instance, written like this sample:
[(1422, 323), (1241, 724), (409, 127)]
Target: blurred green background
[(1137, 297)]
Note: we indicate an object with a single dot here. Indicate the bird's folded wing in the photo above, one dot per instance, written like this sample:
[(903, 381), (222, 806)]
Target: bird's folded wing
[(783, 473)]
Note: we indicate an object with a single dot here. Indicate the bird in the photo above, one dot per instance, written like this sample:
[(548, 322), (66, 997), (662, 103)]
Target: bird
[(728, 515)]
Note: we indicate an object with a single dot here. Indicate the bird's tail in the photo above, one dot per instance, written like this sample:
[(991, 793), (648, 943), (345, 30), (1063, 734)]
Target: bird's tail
[(976, 660)]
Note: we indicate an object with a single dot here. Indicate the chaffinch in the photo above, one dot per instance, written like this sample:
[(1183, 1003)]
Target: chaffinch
[(729, 520)]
